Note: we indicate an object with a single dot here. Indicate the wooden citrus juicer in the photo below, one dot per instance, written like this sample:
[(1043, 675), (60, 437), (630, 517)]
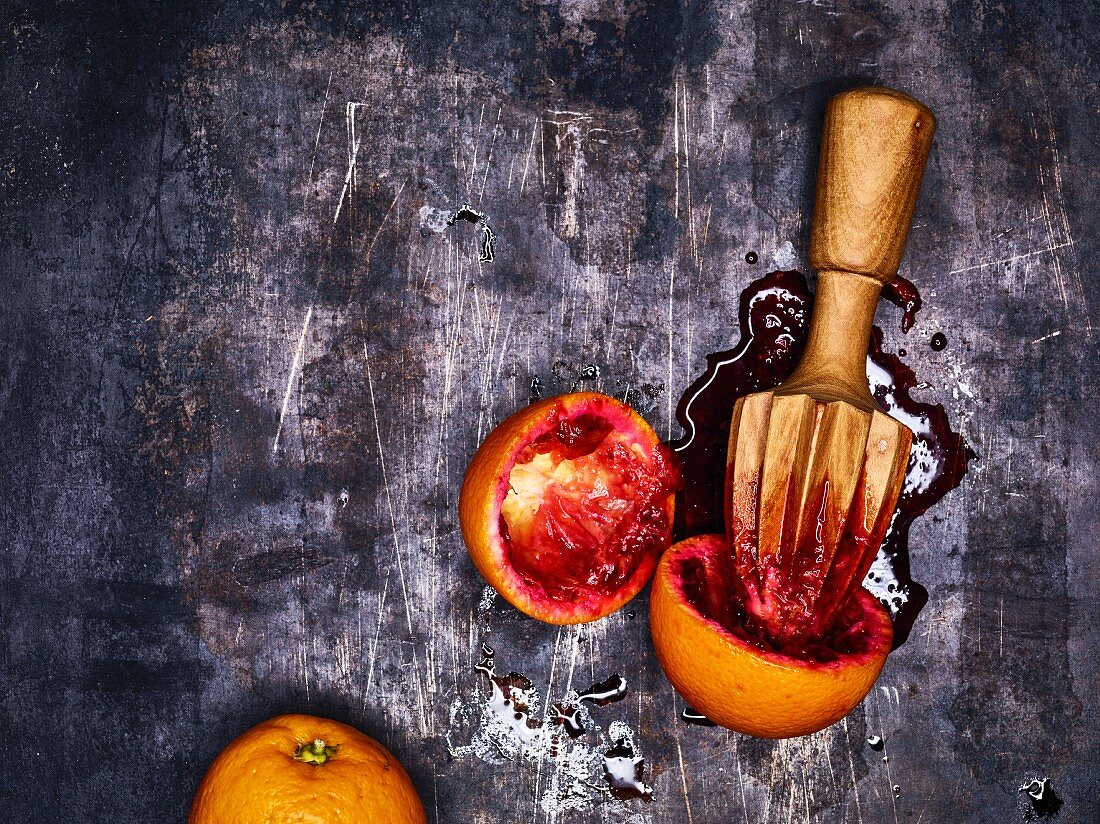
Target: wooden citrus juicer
[(815, 467)]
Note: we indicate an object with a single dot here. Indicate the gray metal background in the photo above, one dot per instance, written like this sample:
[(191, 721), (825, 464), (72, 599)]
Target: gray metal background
[(244, 364)]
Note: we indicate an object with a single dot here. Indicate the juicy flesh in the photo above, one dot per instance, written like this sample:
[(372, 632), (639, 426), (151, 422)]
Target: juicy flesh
[(797, 595), (585, 506), (713, 589)]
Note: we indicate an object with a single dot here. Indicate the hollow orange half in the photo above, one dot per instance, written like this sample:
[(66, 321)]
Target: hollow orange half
[(567, 505), (739, 681)]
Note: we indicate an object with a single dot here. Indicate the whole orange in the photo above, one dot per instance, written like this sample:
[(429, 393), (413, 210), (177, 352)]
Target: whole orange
[(306, 770)]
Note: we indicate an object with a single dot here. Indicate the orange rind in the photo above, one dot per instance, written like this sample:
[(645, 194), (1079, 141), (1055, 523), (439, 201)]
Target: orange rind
[(721, 666)]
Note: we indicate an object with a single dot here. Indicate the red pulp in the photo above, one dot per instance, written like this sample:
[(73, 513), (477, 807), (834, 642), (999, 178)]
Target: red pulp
[(585, 506)]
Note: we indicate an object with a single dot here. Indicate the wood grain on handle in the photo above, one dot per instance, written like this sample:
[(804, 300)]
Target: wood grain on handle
[(873, 150)]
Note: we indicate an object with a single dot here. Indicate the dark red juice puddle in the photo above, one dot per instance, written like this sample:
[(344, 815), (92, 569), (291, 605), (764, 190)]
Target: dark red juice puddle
[(773, 319), (623, 771), (605, 692), (937, 464)]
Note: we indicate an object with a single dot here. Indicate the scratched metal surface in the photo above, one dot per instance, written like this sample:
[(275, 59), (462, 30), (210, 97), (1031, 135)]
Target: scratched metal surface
[(245, 362)]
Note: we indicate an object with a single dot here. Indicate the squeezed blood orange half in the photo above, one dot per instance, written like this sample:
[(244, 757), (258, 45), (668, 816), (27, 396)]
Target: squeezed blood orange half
[(725, 667), (567, 506)]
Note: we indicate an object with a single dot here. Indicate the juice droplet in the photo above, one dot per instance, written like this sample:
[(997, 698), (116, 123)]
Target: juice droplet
[(623, 771), (1044, 802), (605, 692), (481, 220), (693, 716), (465, 212), (485, 667), (508, 730), (938, 342), (751, 258), (875, 742), (904, 295)]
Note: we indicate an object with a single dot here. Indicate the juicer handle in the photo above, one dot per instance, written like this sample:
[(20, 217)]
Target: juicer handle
[(873, 150)]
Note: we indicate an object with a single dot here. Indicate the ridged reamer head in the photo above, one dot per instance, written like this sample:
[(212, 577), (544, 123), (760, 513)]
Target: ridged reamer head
[(811, 488)]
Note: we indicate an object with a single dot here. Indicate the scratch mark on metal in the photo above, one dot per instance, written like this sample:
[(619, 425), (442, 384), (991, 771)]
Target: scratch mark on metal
[(683, 781), (389, 495), (852, 771), (354, 141), (1023, 256), (385, 217), (1047, 337), (530, 153), (294, 366)]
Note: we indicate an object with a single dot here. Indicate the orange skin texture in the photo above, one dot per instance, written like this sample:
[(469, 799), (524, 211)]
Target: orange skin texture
[(736, 685), (480, 500), (255, 780)]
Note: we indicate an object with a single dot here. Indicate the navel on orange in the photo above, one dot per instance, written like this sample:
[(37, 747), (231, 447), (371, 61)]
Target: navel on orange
[(567, 505), (727, 670), (305, 770)]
